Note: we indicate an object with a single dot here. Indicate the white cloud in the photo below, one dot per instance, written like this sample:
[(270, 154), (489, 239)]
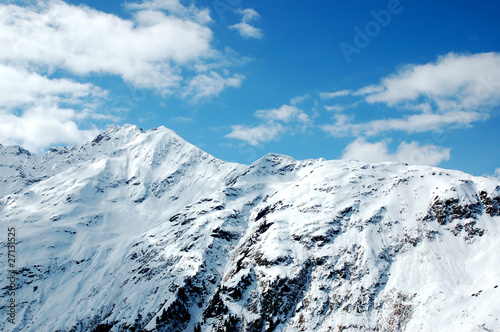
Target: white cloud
[(422, 122), (453, 82), (21, 87), (299, 99), (497, 173), (343, 125), (285, 113), (151, 50), (211, 84), (164, 46), (256, 135), (330, 95), (32, 114), (248, 15), (247, 31), (222, 60), (286, 119), (334, 108), (40, 127), (371, 89), (244, 28), (182, 119), (341, 107), (411, 153), (173, 7), (455, 91), (170, 5)]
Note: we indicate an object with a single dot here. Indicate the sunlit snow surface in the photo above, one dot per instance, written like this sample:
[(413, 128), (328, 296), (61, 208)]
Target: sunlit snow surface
[(134, 224)]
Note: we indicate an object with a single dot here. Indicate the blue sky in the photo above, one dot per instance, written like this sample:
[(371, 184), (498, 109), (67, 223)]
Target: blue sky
[(412, 81)]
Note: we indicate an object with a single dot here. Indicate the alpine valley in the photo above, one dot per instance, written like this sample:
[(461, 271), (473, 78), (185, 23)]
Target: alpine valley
[(142, 231)]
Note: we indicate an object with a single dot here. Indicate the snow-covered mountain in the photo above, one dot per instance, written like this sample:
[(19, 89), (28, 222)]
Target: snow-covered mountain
[(142, 231)]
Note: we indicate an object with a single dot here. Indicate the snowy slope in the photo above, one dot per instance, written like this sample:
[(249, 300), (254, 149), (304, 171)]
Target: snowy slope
[(142, 231)]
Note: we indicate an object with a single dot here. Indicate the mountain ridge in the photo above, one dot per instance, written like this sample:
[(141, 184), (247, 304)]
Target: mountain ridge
[(140, 230)]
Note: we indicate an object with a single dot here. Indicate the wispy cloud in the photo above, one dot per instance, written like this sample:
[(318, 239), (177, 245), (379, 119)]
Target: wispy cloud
[(173, 7), (412, 153), (256, 135), (244, 28), (334, 108), (211, 84), (182, 119), (298, 100), (278, 121), (345, 126), (285, 113), (335, 94)]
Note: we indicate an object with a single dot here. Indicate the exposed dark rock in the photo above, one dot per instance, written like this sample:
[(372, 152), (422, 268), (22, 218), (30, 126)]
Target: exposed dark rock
[(174, 319), (491, 203), (219, 233), (216, 307), (448, 210)]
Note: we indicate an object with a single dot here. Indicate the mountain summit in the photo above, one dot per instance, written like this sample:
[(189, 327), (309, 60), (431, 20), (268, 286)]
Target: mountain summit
[(142, 231)]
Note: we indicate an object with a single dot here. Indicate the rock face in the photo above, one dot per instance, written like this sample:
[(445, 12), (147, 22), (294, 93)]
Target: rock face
[(142, 231)]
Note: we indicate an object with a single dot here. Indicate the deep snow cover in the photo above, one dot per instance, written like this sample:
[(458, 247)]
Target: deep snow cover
[(142, 231)]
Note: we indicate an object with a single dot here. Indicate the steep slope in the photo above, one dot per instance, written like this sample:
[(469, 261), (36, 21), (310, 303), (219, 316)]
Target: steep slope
[(143, 231)]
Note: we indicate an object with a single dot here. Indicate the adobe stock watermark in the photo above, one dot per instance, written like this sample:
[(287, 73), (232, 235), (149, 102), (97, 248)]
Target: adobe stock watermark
[(251, 152), (127, 102), (364, 36), (11, 275), (221, 7)]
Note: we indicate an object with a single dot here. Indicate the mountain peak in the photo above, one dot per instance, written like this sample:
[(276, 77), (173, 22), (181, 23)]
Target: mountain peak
[(195, 243), (129, 132), (125, 132), (14, 149)]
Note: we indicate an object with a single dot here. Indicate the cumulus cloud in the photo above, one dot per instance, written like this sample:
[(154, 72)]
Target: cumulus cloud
[(411, 153), (453, 82), (144, 52), (50, 48), (454, 91), (22, 87), (277, 121), (244, 28), (256, 135), (41, 126), (32, 111)]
